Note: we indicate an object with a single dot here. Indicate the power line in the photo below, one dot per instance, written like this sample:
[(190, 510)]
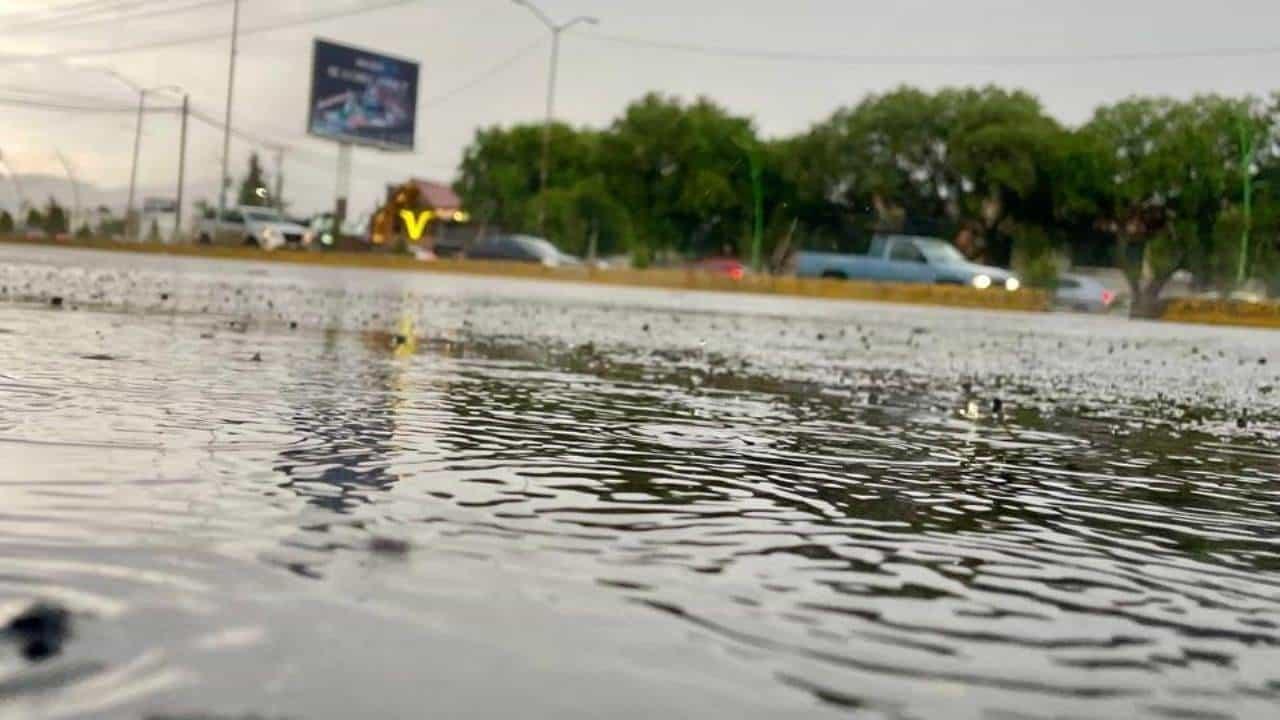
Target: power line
[(944, 60), (96, 17), (298, 152), (483, 75), (203, 37), (64, 10), (49, 105)]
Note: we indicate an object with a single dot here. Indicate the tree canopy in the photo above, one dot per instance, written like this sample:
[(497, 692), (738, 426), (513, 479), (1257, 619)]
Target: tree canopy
[(253, 187), (1150, 185)]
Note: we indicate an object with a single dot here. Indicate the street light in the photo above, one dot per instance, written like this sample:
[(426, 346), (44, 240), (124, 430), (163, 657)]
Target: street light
[(556, 31), (17, 188), (137, 137)]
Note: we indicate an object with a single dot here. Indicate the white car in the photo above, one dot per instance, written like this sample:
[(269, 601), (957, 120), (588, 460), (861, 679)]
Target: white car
[(1083, 294), (256, 226)]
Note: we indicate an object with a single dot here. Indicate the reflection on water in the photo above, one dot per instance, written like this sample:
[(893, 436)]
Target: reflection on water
[(510, 516), (345, 437)]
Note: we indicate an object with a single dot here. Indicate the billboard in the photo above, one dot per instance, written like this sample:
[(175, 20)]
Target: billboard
[(362, 97)]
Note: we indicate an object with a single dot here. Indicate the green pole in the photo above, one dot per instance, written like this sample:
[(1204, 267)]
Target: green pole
[(757, 187), (1247, 142)]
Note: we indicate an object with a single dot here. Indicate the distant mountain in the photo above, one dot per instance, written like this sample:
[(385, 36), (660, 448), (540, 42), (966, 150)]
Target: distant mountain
[(38, 188)]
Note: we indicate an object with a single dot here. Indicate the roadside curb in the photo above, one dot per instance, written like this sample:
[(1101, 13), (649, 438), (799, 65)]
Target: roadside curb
[(1204, 311), (910, 294)]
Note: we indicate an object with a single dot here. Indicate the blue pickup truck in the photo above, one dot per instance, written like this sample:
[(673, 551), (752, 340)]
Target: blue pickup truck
[(906, 259)]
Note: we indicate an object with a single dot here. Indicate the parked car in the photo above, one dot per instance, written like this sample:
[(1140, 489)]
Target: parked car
[(1083, 294), (256, 226), (517, 248), (725, 266), (906, 259)]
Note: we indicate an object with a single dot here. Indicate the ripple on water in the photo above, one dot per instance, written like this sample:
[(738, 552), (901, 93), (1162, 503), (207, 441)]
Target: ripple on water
[(699, 522)]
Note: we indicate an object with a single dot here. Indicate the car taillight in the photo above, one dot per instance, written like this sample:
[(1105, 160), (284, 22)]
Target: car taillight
[(1108, 297), (736, 273)]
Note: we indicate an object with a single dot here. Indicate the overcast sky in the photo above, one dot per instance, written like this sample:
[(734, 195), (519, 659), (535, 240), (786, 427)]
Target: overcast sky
[(458, 40)]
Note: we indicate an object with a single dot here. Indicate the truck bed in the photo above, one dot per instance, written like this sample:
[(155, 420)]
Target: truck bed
[(861, 267)]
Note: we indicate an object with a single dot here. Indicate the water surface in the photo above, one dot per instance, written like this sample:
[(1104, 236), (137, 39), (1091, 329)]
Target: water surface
[(312, 493)]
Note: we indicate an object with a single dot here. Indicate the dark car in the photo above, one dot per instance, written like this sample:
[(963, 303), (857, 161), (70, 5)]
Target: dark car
[(516, 248)]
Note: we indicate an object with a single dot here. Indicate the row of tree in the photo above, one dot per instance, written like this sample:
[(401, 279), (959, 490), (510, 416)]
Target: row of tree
[(53, 219), (1149, 185)]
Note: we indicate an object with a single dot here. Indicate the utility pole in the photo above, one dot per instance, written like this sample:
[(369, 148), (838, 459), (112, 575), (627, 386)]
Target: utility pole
[(556, 32), (137, 139), (182, 168), (133, 168), (226, 130)]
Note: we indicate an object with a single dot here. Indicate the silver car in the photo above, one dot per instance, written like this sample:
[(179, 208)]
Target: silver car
[(1083, 294)]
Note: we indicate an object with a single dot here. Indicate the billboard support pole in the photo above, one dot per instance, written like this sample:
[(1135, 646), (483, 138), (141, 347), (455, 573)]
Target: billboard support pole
[(343, 188)]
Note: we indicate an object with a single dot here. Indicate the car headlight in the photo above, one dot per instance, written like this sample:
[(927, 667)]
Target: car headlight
[(982, 282), (1012, 284), (270, 234)]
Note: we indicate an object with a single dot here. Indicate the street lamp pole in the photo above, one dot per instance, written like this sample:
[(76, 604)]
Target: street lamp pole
[(226, 129), (17, 187), (182, 168), (75, 190), (556, 31)]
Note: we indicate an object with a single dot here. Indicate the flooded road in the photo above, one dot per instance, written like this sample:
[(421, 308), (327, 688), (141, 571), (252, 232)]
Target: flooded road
[(292, 492)]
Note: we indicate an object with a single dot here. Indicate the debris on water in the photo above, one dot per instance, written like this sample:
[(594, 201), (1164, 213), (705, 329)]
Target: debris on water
[(103, 357), (206, 336), (389, 546), (1242, 422), (257, 357), (1262, 361), (398, 340), (1266, 389), (821, 337), (164, 297), (645, 328), (56, 301), (40, 630), (293, 325), (997, 406)]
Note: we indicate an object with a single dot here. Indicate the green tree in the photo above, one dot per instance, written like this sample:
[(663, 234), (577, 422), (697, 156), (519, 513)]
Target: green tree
[(682, 168), (35, 221), (55, 218), (253, 187), (586, 220), (6, 223), (1172, 169), (500, 178), (912, 161)]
